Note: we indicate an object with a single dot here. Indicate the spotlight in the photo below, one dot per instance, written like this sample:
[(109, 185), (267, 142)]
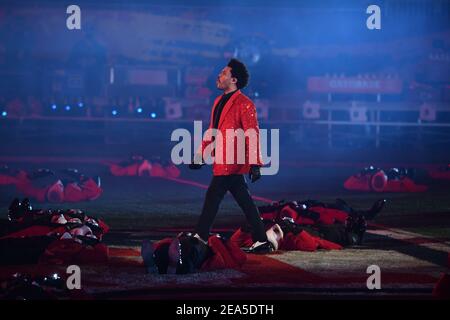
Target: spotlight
[(114, 112), (139, 110), (67, 108), (256, 94), (4, 114), (53, 106), (80, 105), (153, 115)]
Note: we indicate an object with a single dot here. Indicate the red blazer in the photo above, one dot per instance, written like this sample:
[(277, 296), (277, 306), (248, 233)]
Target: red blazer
[(238, 113)]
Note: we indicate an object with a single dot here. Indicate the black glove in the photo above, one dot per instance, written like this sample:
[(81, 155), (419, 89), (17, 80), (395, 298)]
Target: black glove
[(195, 166), (255, 173), (197, 163)]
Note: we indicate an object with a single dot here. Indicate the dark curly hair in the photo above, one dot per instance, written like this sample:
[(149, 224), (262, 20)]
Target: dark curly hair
[(240, 72)]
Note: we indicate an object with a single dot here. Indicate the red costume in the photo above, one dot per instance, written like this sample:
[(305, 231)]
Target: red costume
[(51, 236), (376, 180), (144, 168), (85, 190), (238, 113)]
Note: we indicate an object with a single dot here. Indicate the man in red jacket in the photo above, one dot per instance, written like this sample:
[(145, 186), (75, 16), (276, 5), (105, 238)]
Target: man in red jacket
[(232, 111)]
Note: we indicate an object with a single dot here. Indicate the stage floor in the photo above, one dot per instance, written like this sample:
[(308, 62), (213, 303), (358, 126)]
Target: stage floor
[(409, 240)]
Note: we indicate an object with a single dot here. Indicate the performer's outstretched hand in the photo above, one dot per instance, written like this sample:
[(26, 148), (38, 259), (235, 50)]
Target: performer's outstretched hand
[(255, 173)]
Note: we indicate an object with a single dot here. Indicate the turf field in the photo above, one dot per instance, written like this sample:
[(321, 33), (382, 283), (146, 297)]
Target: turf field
[(409, 239)]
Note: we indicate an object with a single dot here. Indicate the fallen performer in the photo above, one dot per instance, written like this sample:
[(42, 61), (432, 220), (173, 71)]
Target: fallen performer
[(440, 173), (328, 226), (373, 179), (50, 236), (76, 189), (139, 166), (49, 286), (187, 254), (310, 225)]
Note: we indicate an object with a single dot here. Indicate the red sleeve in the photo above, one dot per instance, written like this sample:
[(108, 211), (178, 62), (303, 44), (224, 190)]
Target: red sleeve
[(249, 121)]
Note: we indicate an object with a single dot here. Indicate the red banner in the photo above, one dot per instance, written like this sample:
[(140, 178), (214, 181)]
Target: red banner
[(354, 85)]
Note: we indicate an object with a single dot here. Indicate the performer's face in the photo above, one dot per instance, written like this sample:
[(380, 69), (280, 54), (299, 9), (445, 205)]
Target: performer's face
[(225, 80)]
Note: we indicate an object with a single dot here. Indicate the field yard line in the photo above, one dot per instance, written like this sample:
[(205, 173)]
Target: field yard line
[(411, 237), (402, 233)]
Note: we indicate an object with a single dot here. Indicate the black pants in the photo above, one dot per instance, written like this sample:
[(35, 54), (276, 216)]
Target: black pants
[(238, 188)]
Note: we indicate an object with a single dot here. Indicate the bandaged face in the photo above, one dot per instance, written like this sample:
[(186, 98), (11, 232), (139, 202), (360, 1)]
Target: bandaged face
[(275, 235)]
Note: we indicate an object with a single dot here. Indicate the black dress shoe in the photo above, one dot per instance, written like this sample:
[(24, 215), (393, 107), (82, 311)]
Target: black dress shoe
[(260, 248), (356, 226)]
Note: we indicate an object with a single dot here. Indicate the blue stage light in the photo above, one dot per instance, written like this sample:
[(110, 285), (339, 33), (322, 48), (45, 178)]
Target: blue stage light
[(67, 108), (153, 115), (139, 110), (114, 112), (80, 104), (54, 107), (4, 114)]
